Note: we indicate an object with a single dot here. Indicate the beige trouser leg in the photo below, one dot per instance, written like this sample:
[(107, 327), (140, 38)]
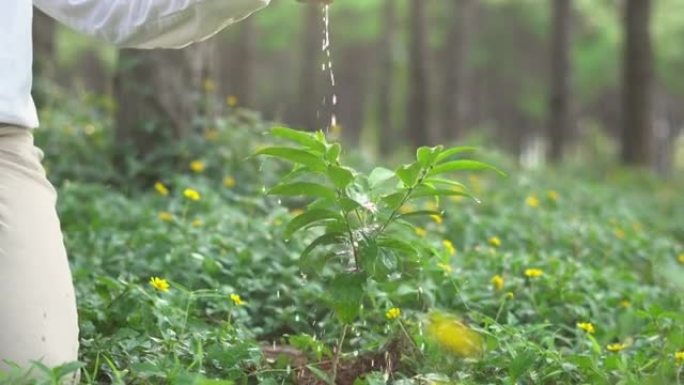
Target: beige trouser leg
[(37, 305)]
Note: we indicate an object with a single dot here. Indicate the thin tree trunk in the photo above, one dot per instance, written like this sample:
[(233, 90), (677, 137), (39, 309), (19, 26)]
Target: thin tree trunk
[(385, 77), (156, 94), (245, 62), (637, 98), (455, 68), (352, 91), (204, 71), (43, 52), (559, 123), (667, 126), (310, 67), (417, 108), (90, 73)]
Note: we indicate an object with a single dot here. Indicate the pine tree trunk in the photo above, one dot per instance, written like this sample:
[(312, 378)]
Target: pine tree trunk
[(417, 108), (455, 68), (90, 73), (559, 123), (43, 52), (667, 127), (352, 90), (245, 63), (637, 130), (156, 94), (385, 77)]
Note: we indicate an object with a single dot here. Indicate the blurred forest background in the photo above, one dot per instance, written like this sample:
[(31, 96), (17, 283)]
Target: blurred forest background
[(543, 80)]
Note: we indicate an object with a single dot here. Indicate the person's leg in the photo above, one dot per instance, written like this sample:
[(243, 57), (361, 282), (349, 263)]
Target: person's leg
[(38, 320)]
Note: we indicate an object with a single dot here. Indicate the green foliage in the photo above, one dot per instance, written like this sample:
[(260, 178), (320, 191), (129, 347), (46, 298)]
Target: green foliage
[(607, 244), (364, 230)]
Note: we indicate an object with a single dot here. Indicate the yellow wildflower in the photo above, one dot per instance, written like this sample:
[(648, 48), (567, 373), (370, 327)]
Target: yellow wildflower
[(453, 335), (616, 347), (336, 130), (680, 258), (449, 247), (533, 273), (165, 216), (89, 129), (497, 282), (231, 101), (553, 195), (446, 268), (495, 241), (587, 327), (237, 300), (421, 232), (679, 357), (393, 313), (161, 189), (432, 206), (407, 208), (532, 201), (619, 233), (476, 183), (296, 212), (437, 218), (211, 134), (196, 223), (510, 295), (70, 130), (229, 182), (191, 194), (197, 166), (625, 304), (208, 85), (159, 284)]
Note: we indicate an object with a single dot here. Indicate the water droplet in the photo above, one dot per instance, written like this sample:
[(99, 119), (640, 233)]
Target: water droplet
[(296, 317), (278, 294), (325, 47)]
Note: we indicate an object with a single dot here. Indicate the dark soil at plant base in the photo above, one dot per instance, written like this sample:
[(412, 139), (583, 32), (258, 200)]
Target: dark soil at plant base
[(385, 360)]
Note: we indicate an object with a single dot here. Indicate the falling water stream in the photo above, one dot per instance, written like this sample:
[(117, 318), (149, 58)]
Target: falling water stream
[(328, 65)]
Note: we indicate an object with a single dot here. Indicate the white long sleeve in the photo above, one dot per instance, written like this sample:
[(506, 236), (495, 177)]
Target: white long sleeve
[(150, 23), (127, 23)]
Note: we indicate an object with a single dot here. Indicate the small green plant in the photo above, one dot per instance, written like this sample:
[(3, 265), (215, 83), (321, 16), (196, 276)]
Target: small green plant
[(363, 222)]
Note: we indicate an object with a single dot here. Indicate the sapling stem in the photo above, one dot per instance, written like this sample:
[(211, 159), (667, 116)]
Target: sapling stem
[(338, 351)]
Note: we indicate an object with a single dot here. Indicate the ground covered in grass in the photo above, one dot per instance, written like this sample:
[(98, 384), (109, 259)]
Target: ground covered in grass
[(557, 277)]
